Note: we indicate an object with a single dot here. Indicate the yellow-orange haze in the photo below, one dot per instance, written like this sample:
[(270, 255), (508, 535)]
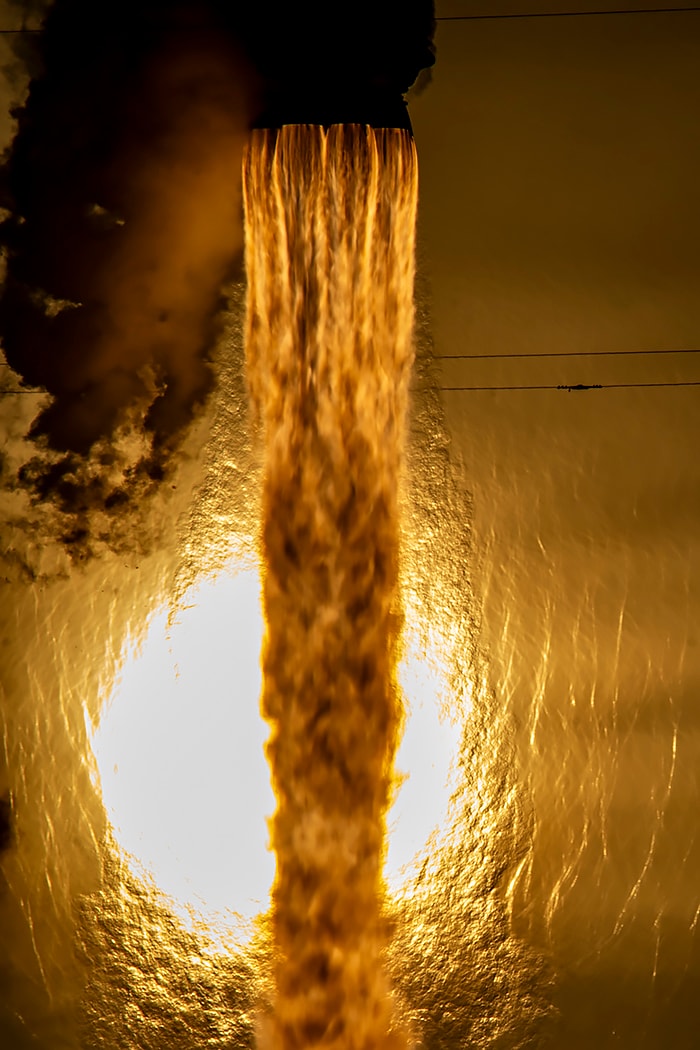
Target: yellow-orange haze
[(330, 226)]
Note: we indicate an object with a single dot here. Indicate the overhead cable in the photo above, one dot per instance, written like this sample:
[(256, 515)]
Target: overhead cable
[(566, 14), (573, 387), (560, 353)]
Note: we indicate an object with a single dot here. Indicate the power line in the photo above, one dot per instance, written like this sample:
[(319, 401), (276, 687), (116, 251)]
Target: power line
[(572, 387), (505, 17), (566, 14), (573, 353), (528, 356), (568, 387)]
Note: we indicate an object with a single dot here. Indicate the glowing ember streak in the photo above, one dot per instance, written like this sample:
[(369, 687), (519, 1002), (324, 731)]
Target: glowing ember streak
[(330, 224)]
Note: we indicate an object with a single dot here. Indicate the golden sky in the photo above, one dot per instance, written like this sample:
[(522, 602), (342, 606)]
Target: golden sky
[(559, 164)]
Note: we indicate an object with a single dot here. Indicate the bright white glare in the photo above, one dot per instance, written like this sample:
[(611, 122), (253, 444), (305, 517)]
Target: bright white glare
[(429, 746), (184, 778), (180, 752)]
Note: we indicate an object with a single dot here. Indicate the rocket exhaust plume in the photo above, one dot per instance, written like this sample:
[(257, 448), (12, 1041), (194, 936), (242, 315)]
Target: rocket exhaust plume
[(330, 221), (330, 212)]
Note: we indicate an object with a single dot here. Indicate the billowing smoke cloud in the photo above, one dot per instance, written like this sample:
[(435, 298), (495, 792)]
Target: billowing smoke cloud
[(122, 186)]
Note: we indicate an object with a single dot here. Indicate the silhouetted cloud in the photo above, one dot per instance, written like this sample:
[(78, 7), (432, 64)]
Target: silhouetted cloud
[(123, 188)]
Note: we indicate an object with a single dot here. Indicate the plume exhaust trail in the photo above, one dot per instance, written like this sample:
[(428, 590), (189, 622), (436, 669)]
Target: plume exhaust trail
[(330, 227)]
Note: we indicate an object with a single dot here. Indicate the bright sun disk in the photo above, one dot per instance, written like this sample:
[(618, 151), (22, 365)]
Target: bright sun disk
[(180, 754)]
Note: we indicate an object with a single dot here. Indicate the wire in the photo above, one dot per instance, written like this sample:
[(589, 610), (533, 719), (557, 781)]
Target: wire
[(566, 14), (573, 353), (570, 387), (546, 353), (507, 17), (496, 18)]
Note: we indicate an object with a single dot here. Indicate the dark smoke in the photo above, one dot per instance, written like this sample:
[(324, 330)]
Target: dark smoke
[(123, 191), (125, 216), (123, 222), (349, 63)]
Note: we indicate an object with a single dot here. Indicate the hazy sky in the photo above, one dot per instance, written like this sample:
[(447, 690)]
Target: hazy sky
[(559, 166), (560, 160)]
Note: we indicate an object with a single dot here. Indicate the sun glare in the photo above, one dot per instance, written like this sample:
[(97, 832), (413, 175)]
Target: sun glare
[(180, 754)]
